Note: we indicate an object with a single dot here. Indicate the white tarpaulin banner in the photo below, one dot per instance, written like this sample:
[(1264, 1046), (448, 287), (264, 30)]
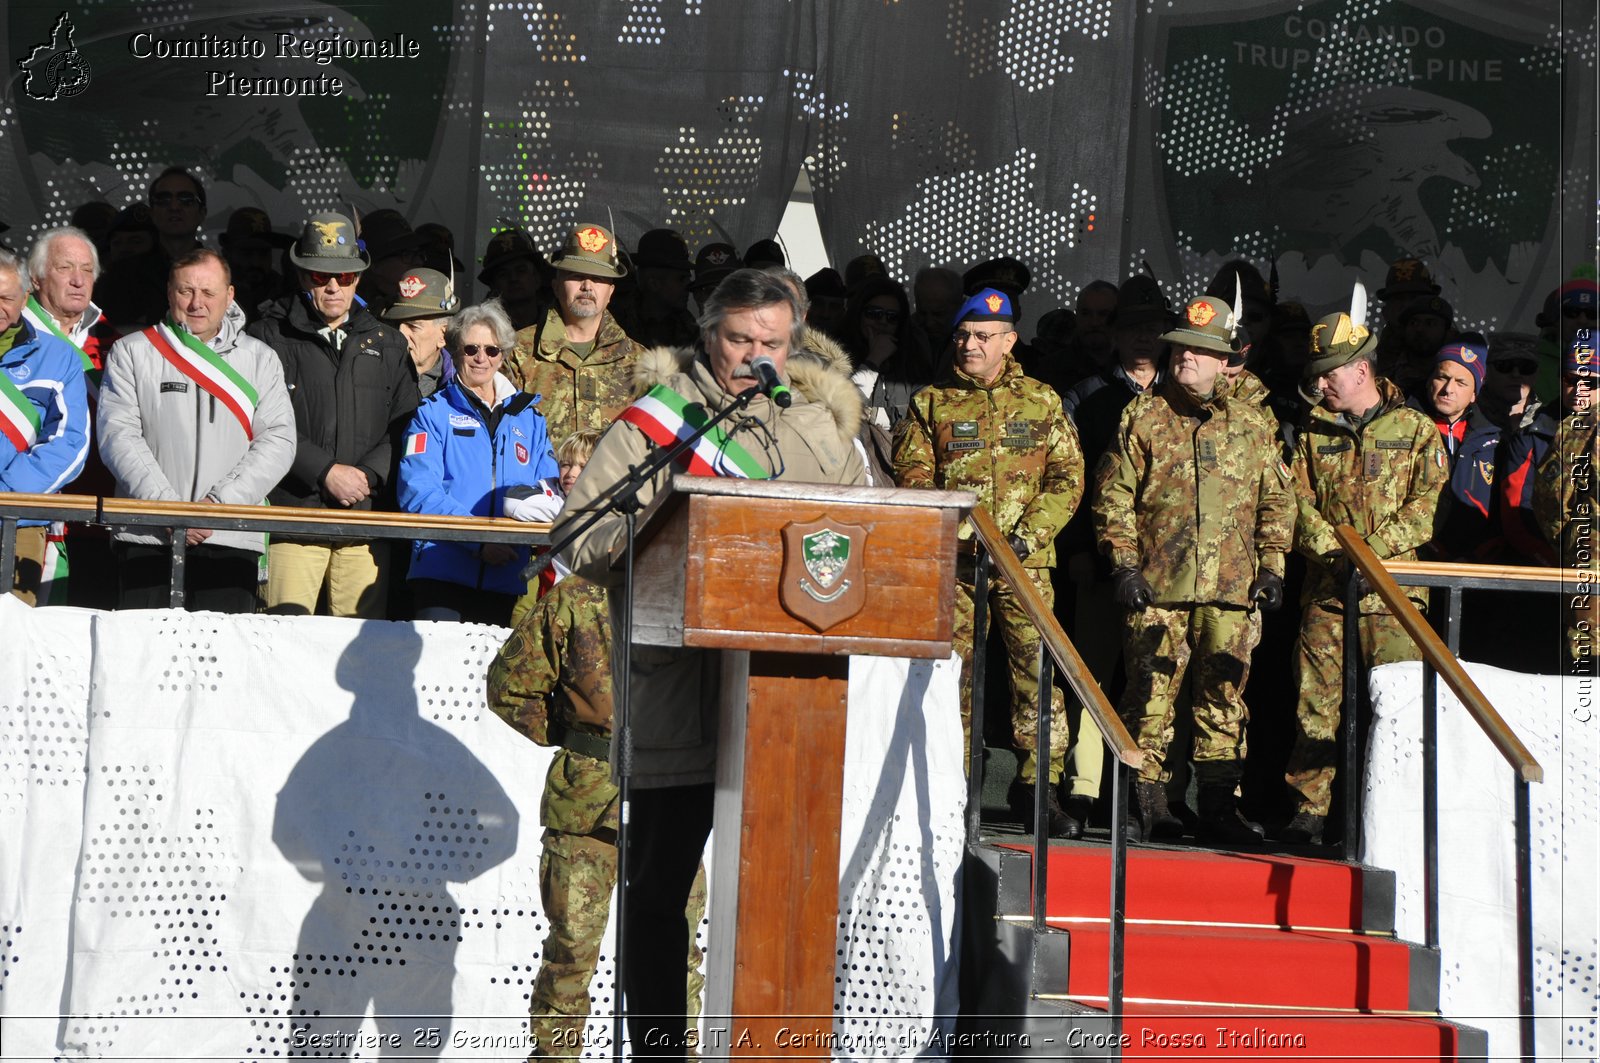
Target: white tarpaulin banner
[(1555, 719), (248, 837)]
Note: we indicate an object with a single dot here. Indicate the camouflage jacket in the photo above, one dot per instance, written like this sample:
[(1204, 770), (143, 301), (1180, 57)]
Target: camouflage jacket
[(1193, 494), (553, 676), (1008, 441), (575, 393), (1384, 478), (1565, 499)]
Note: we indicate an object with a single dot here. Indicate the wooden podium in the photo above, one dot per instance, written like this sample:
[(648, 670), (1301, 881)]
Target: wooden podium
[(787, 580)]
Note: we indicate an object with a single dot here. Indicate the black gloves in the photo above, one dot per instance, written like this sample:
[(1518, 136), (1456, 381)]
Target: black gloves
[(1131, 589), (1018, 547), (1342, 569), (1267, 590)]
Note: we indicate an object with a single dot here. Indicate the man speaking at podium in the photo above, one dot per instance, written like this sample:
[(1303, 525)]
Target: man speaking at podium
[(751, 315)]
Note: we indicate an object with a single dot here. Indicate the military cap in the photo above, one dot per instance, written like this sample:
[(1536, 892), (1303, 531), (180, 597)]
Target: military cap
[(250, 227), (1140, 302), (1239, 276), (764, 253), (1207, 324), (1473, 357), (592, 251), (506, 246), (713, 263), (1005, 273), (386, 232), (423, 293), (860, 268), (1335, 341), (328, 244), (662, 249), (1580, 357), (1407, 276), (1431, 305), (989, 304), (826, 283)]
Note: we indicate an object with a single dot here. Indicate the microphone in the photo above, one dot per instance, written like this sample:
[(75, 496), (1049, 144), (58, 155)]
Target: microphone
[(766, 371)]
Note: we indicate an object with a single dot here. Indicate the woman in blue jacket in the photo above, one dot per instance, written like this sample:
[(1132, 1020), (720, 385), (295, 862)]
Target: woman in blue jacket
[(477, 447)]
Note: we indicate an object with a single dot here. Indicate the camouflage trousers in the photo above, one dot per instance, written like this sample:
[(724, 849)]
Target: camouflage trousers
[(577, 873), (1320, 667), (1159, 646), (1022, 659)]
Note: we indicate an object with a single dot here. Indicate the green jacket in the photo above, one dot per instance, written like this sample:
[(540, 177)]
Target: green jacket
[(1565, 498), (575, 393), (1383, 478), (1008, 441), (1192, 493), (553, 677)]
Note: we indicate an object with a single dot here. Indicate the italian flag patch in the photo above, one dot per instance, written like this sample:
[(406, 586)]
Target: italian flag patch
[(416, 443)]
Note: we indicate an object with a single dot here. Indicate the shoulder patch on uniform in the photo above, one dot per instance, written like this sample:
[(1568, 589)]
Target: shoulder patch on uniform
[(1283, 471)]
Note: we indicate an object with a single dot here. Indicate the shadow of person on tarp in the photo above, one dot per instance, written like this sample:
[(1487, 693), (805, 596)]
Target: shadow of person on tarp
[(385, 811)]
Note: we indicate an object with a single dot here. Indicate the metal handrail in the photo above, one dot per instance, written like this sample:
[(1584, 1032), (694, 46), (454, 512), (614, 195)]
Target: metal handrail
[(1439, 659), (1055, 648)]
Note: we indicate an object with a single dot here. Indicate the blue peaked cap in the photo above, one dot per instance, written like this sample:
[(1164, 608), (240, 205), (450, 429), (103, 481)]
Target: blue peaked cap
[(989, 304)]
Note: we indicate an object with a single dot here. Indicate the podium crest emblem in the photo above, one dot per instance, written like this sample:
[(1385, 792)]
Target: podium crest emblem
[(823, 583)]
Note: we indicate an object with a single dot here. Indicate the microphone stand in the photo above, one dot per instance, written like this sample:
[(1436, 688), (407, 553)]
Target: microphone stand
[(623, 498)]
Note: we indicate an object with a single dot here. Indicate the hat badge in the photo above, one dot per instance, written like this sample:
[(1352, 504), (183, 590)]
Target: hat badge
[(1467, 354), (329, 231), (501, 242), (1405, 269), (1200, 313), (411, 287), (592, 240), (717, 257), (994, 303)]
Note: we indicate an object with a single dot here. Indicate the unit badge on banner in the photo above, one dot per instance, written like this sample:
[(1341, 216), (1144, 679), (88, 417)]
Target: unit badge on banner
[(822, 583)]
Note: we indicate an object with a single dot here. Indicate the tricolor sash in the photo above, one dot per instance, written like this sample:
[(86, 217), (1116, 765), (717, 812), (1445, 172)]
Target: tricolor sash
[(666, 417), (206, 368), (40, 318), (19, 418), (53, 576)]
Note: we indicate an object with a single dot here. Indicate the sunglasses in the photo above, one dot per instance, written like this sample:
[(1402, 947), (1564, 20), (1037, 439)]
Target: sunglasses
[(489, 349), (961, 336), (164, 199), (1515, 366), (344, 279), (880, 313)]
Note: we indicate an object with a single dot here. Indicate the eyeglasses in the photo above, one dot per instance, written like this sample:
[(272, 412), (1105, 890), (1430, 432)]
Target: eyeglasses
[(344, 279), (489, 350), (1573, 380), (1515, 366), (961, 336), (1577, 311), (164, 199), (881, 313)]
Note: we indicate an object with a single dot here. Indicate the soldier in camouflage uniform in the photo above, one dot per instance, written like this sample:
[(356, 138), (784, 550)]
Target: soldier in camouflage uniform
[(1364, 459), (578, 358), (552, 682), (988, 429), (1193, 509), (1566, 501)]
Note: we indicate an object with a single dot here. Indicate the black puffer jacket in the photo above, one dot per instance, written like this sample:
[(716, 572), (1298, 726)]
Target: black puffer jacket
[(350, 405)]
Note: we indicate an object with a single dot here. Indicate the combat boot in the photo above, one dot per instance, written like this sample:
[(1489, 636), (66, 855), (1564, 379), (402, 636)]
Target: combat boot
[(1156, 823), (1057, 823), (1304, 829), (1220, 820)]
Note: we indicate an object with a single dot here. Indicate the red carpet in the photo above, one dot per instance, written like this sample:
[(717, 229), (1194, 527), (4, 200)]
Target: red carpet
[(1236, 956)]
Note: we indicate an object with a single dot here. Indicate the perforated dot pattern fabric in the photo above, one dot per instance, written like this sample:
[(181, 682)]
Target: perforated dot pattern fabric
[(307, 837), (1554, 718)]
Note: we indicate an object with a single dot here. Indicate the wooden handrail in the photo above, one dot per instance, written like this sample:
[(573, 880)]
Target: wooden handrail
[(61, 502), (1439, 656), (111, 508), (1060, 647), (1466, 570)]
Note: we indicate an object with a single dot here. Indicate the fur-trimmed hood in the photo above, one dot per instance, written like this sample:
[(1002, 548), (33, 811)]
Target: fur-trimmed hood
[(818, 373)]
